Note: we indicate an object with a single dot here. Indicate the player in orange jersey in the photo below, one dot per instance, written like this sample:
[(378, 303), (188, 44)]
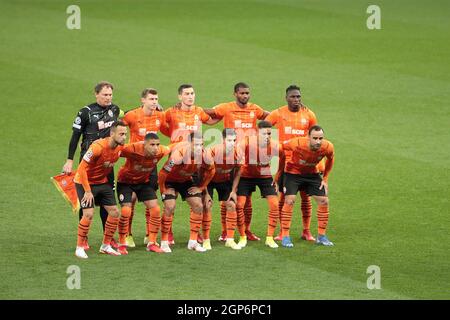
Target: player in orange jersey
[(301, 173), (227, 161), (144, 119), (183, 119), (258, 152), (293, 120), (177, 177), (240, 115), (134, 178), (91, 182)]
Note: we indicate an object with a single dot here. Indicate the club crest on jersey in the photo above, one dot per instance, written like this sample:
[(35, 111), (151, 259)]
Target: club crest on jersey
[(304, 121), (110, 113), (142, 131), (252, 114), (157, 122), (196, 118)]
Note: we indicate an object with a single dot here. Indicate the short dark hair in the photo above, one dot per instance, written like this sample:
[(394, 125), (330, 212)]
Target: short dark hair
[(264, 124), (116, 124), (315, 128), (292, 87), (184, 86), (102, 84), (148, 91), (239, 85), (228, 132), (151, 136)]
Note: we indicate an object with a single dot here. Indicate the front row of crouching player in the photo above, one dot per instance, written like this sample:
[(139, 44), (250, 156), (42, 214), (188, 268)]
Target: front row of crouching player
[(232, 168)]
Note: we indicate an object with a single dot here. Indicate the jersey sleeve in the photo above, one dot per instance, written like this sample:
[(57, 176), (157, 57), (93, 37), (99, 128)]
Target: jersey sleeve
[(219, 110), (81, 120), (163, 150), (127, 150), (203, 115), (128, 118), (290, 145), (330, 151), (312, 119), (259, 112), (92, 154), (273, 117), (175, 158)]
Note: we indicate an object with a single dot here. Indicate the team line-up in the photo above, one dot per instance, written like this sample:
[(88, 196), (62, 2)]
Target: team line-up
[(233, 167)]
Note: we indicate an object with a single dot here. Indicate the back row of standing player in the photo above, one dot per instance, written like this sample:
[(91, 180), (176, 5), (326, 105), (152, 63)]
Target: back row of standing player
[(234, 180)]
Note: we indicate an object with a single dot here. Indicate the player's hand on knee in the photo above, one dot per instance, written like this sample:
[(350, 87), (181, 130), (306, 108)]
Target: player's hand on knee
[(232, 197), (275, 185), (207, 201), (194, 190), (324, 184), (87, 199)]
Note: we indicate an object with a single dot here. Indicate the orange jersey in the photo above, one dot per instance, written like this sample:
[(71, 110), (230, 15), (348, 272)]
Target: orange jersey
[(241, 119), (292, 124), (141, 124), (138, 166), (181, 122), (304, 160), (98, 162), (257, 158), (224, 163), (182, 163)]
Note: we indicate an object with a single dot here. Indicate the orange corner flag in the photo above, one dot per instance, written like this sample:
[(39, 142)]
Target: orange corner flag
[(65, 185)]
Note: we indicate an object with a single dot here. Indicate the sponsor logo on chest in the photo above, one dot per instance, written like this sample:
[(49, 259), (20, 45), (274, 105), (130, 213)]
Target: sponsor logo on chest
[(104, 125), (289, 130)]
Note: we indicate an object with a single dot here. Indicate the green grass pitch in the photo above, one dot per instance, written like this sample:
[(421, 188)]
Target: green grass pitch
[(381, 95)]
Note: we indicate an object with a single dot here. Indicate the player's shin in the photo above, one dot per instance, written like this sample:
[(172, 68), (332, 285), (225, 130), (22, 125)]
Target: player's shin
[(206, 223), (231, 221), (154, 223), (83, 230), (286, 218), (123, 224), (248, 213), (110, 229), (306, 208), (273, 215), (195, 223), (223, 216), (240, 215), (166, 223), (322, 218)]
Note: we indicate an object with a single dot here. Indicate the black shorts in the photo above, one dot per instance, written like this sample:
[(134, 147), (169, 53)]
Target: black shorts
[(144, 192), (103, 195), (182, 189), (223, 189), (153, 182), (248, 185), (280, 181), (310, 183)]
